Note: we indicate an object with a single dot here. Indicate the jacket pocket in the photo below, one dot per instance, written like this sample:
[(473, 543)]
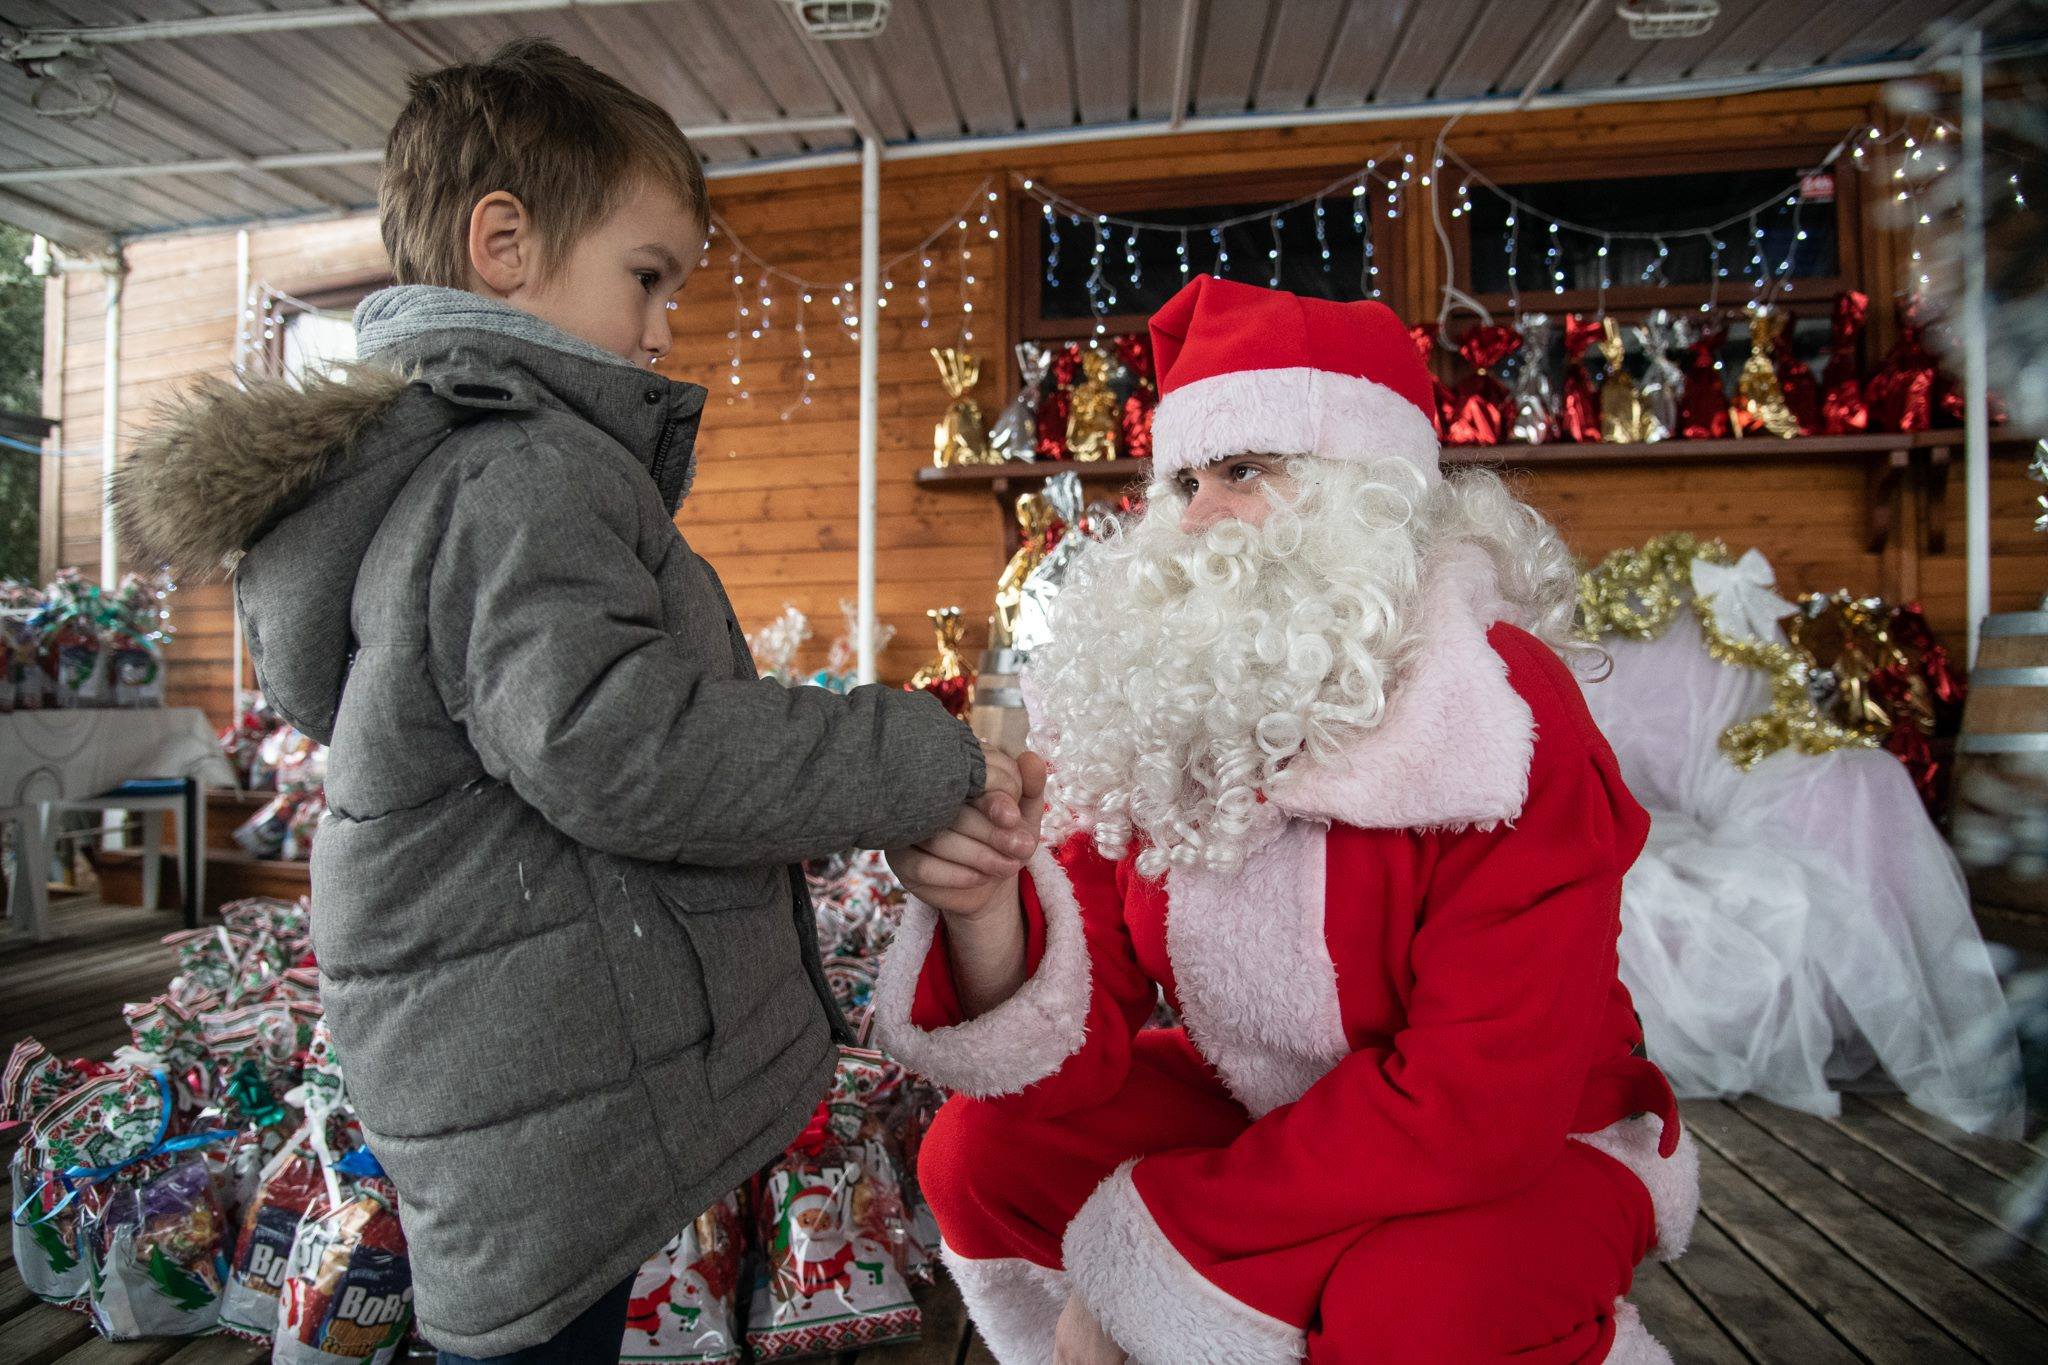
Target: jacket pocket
[(760, 997), (473, 1040)]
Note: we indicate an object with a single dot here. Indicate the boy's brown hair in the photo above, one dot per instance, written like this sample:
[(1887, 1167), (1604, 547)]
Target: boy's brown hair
[(567, 139)]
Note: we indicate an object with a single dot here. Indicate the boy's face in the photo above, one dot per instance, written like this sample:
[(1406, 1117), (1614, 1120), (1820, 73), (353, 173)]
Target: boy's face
[(613, 287)]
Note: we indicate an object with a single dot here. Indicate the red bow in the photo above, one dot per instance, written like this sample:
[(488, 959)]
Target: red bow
[(1843, 410), (1580, 412), (1910, 391), (1703, 413), (1795, 378), (1479, 405), (1057, 401), (1135, 421), (1423, 334)]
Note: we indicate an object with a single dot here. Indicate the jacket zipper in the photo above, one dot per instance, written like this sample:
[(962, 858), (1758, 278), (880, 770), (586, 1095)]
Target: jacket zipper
[(668, 429)]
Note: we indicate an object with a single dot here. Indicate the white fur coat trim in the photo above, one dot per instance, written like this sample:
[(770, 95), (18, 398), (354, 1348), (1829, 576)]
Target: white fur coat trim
[(1015, 1304), (1455, 746), (1155, 1305), (1633, 1344), (1018, 1043), (1673, 1181), (1252, 968), (1295, 410)]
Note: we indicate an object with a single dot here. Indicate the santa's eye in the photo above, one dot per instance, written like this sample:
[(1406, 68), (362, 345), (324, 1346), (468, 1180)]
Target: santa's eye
[(1245, 473)]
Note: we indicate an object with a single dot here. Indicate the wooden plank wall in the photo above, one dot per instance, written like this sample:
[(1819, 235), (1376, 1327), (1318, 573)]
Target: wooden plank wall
[(774, 505), (178, 325)]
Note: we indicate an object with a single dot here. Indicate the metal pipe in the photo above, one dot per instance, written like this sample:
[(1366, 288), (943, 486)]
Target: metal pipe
[(870, 400), (1184, 62), (1310, 118), (110, 424), (296, 20), (242, 283), (1976, 403), (363, 156)]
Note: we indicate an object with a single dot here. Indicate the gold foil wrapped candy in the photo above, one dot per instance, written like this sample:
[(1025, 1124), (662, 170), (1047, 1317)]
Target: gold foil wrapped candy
[(1760, 397), (1092, 426), (947, 676), (960, 437), (1623, 418), (1035, 519)]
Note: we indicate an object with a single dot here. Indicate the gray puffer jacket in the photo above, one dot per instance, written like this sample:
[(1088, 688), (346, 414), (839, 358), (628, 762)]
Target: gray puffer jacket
[(570, 972)]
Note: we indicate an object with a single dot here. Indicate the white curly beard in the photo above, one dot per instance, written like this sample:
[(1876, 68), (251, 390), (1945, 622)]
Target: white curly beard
[(1186, 671)]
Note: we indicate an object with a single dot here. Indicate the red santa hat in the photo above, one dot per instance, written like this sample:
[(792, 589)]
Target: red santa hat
[(1247, 370)]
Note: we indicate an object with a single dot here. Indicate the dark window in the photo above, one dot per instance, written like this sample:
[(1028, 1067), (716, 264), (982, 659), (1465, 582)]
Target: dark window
[(1322, 249), (1799, 228)]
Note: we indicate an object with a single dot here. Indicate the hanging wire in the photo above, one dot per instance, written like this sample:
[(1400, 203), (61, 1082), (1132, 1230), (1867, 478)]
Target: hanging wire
[(1053, 198)]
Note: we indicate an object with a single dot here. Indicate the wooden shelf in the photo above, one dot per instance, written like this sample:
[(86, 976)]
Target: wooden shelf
[(1887, 456), (981, 476)]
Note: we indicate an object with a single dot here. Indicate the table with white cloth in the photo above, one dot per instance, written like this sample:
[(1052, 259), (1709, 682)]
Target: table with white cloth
[(51, 757)]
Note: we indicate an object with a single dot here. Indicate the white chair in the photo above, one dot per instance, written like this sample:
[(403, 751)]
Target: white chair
[(28, 898), (181, 799)]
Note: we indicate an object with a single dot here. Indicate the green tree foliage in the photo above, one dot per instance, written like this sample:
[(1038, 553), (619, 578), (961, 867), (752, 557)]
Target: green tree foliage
[(21, 387)]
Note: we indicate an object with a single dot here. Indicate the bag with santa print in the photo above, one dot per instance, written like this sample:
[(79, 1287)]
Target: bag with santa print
[(833, 1228), (685, 1303)]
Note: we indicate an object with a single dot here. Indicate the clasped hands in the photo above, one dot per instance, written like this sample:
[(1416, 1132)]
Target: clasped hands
[(962, 870)]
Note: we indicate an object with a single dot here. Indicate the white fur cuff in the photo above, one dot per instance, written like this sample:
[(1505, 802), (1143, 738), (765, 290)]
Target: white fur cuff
[(1015, 1305), (1633, 1344), (1148, 1297), (1018, 1043), (1673, 1181)]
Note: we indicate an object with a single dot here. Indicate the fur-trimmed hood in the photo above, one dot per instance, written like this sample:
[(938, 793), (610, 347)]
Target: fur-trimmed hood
[(286, 485), (223, 464)]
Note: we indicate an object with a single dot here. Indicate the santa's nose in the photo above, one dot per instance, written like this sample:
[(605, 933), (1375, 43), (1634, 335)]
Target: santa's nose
[(1213, 503)]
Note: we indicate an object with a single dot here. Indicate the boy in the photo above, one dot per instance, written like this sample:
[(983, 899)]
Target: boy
[(568, 966)]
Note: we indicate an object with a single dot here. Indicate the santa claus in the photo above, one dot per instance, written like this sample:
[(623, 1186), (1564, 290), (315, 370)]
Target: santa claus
[(1321, 778), (815, 1252)]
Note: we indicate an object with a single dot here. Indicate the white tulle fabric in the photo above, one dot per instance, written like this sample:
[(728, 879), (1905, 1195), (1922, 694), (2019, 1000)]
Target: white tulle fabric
[(1799, 927)]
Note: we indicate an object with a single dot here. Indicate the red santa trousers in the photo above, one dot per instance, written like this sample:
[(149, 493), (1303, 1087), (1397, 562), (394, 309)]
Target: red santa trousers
[(1535, 1275)]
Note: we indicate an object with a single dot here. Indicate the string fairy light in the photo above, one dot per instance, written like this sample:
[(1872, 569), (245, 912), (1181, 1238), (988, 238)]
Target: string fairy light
[(1770, 271), (753, 310)]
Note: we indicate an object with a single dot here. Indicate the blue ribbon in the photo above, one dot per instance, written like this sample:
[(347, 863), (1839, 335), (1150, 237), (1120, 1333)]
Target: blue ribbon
[(77, 1177), (163, 1145), (361, 1164)]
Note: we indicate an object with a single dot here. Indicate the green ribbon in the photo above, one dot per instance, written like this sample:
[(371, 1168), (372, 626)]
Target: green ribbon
[(252, 1096)]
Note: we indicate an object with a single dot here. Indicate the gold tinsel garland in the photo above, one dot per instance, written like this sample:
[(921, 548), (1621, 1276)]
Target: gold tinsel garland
[(1638, 593)]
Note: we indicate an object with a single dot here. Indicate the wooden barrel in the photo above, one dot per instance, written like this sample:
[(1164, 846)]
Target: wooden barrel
[(2000, 822), (999, 716)]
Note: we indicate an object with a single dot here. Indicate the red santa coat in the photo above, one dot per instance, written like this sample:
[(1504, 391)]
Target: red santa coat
[(1412, 990)]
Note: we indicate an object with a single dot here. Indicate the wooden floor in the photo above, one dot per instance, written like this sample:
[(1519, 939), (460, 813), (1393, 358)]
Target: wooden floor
[(1882, 1236)]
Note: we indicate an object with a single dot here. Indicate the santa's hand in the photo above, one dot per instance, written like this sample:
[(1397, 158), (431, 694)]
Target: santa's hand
[(1080, 1340)]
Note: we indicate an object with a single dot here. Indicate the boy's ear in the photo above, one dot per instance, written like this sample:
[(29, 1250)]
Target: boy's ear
[(504, 253)]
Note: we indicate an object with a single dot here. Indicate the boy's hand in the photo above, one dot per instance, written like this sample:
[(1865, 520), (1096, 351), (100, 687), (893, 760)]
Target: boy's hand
[(961, 869)]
